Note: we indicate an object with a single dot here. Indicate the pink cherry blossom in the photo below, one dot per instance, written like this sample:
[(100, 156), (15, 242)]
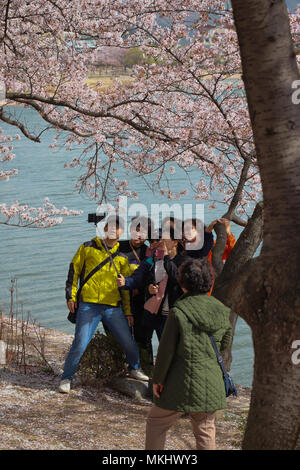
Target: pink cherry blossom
[(184, 103)]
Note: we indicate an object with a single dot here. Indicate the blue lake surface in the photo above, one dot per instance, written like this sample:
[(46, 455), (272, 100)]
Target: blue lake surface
[(39, 258)]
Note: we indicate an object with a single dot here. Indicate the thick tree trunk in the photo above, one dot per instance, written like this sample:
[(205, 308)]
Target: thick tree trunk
[(227, 354), (243, 251), (269, 298), (273, 421), (274, 417), (219, 248)]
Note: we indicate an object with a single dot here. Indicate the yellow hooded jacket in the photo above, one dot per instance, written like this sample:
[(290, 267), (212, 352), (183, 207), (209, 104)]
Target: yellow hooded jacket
[(102, 287)]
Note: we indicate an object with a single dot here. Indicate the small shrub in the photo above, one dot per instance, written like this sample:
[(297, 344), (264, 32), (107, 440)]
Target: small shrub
[(103, 359), (146, 361)]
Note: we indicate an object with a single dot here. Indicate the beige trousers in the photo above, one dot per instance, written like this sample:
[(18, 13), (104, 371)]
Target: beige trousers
[(160, 420)]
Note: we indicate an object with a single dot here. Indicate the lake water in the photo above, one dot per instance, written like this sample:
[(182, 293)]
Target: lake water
[(39, 258)]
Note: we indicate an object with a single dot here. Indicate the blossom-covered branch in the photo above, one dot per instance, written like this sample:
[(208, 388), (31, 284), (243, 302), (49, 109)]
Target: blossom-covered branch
[(20, 215), (184, 104)]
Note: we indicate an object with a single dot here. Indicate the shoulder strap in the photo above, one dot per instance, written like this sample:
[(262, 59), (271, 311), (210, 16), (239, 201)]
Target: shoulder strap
[(91, 273), (134, 252), (219, 357), (111, 256)]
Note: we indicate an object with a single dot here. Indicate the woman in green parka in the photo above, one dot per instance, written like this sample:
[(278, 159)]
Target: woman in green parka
[(187, 377)]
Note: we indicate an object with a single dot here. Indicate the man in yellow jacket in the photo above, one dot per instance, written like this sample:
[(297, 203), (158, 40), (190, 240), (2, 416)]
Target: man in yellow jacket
[(100, 300)]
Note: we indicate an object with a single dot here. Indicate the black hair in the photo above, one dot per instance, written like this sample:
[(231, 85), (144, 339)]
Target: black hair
[(157, 235), (194, 221), (115, 219), (144, 221), (196, 276), (175, 227), (173, 231)]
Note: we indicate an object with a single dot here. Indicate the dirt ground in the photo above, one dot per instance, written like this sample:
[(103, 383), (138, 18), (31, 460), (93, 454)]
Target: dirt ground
[(34, 416)]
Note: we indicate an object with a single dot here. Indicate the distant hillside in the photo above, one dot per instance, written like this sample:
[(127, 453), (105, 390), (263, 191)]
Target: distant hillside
[(111, 56), (114, 56)]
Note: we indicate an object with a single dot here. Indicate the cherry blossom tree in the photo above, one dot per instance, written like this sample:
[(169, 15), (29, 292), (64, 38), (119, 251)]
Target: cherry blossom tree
[(182, 106), (185, 106)]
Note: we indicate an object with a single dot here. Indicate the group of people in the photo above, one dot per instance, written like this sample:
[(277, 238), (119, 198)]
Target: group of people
[(157, 281)]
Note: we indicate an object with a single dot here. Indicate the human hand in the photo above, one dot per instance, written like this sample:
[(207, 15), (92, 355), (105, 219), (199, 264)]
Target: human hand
[(157, 389), (163, 246), (153, 289), (72, 305), (130, 320), (226, 222), (211, 225), (120, 280)]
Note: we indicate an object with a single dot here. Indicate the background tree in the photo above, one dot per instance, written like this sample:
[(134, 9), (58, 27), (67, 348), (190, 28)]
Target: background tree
[(132, 56)]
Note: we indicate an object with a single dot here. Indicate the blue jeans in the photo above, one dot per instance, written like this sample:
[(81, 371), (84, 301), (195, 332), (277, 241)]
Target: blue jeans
[(87, 319)]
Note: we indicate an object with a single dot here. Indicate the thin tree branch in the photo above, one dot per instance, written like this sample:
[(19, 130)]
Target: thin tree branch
[(18, 124)]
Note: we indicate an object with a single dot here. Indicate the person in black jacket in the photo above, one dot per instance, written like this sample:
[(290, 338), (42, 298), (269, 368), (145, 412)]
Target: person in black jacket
[(135, 249), (139, 280), (161, 268), (173, 257), (168, 266), (198, 238)]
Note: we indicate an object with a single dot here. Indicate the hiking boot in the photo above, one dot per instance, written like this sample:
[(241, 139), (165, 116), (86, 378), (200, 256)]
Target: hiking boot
[(65, 386), (138, 374)]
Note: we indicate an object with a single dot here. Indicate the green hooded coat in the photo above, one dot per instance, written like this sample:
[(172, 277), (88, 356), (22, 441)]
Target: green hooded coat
[(186, 364)]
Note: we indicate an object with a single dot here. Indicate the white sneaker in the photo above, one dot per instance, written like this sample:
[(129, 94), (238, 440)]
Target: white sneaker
[(138, 374), (65, 386)]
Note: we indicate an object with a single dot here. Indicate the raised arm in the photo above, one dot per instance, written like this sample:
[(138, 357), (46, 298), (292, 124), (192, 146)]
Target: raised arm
[(138, 279)]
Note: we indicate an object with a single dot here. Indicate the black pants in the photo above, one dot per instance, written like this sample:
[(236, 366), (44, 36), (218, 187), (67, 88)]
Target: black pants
[(152, 323), (141, 334)]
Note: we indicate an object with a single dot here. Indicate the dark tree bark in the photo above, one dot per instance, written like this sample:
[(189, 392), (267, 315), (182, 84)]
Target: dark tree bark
[(266, 290), (219, 248), (243, 251)]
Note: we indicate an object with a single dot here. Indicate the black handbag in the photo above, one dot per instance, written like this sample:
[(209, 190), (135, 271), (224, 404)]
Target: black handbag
[(228, 382), (72, 316)]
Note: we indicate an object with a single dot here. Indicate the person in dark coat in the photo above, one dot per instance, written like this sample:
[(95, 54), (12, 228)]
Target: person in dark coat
[(165, 270), (139, 280), (187, 377), (135, 250), (198, 238), (152, 273)]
